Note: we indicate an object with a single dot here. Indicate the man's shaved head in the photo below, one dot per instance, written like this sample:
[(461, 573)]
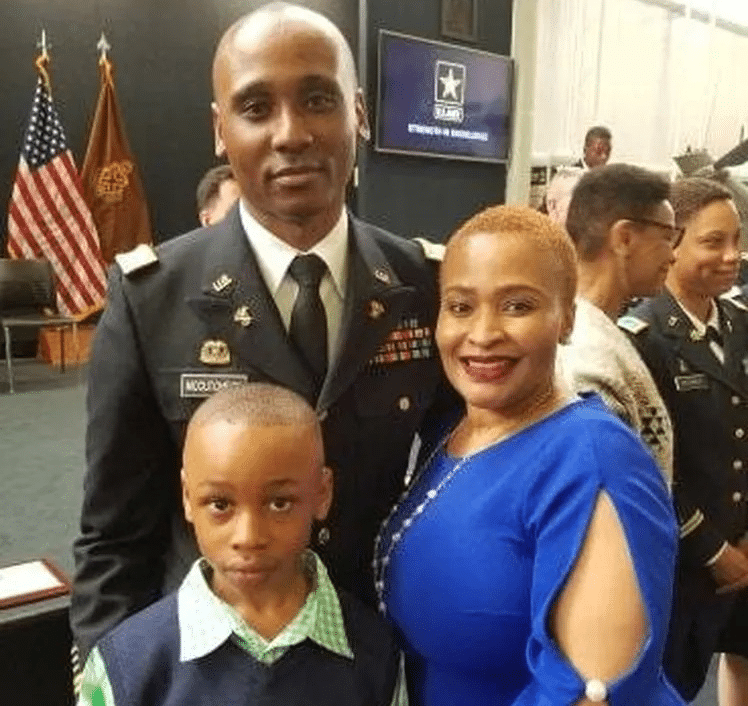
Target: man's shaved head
[(277, 16)]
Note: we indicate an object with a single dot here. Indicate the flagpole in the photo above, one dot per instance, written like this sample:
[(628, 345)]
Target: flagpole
[(42, 61), (103, 46)]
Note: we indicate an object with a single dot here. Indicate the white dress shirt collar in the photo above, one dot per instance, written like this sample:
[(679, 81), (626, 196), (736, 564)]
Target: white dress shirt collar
[(274, 255), (698, 324)]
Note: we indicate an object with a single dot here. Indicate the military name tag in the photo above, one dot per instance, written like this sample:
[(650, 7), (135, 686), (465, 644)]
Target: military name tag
[(689, 383), (206, 384)]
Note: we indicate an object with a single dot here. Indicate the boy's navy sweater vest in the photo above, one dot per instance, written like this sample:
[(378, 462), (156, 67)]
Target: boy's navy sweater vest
[(142, 661)]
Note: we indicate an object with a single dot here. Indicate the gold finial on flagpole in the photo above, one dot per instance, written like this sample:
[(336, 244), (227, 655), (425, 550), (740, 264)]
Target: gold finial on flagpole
[(42, 60), (106, 66)]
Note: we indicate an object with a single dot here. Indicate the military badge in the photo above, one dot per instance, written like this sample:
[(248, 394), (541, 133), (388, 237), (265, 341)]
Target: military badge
[(215, 352), (376, 309), (695, 336), (243, 316), (382, 275), (222, 283), (409, 341)]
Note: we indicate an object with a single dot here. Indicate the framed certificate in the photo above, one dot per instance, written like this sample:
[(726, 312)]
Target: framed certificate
[(460, 19), (31, 581)]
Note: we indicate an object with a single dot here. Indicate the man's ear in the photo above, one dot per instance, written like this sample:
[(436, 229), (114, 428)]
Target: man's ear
[(186, 503), (219, 147), (620, 237), (362, 116), (324, 499)]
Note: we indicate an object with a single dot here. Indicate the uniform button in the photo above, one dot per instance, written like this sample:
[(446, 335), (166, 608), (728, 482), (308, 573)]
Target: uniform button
[(404, 403), (735, 400), (739, 433), (737, 465), (737, 496)]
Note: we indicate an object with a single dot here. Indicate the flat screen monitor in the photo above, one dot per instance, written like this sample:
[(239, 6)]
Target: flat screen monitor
[(442, 100)]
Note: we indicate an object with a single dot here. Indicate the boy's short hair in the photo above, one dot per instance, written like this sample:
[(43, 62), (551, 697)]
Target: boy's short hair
[(255, 404), (688, 196), (210, 184), (608, 194), (536, 228)]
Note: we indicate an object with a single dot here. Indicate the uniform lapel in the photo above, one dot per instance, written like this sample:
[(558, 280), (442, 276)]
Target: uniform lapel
[(374, 305), (234, 295), (691, 347), (736, 343)]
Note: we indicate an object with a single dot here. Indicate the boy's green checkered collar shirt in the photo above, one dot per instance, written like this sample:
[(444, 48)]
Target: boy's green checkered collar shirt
[(206, 621)]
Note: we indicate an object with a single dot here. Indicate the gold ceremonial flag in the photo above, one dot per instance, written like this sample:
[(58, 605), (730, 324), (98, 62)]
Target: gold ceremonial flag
[(111, 182)]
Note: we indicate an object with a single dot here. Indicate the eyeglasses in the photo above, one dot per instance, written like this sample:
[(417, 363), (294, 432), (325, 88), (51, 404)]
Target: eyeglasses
[(675, 231)]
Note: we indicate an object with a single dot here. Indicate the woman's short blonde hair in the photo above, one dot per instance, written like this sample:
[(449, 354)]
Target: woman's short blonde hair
[(540, 232)]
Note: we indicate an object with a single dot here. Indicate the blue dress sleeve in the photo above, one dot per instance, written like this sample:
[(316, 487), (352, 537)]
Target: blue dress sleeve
[(601, 455)]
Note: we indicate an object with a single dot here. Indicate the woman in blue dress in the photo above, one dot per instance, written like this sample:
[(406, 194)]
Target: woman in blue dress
[(531, 560)]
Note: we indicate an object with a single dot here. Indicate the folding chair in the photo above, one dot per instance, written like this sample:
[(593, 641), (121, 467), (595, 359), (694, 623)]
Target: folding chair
[(28, 300)]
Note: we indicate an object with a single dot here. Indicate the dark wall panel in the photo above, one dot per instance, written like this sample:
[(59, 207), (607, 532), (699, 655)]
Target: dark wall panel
[(162, 51), (420, 195)]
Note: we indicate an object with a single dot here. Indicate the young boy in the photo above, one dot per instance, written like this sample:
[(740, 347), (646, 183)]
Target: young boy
[(257, 619)]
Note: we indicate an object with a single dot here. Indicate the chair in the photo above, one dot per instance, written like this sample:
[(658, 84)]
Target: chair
[(28, 300)]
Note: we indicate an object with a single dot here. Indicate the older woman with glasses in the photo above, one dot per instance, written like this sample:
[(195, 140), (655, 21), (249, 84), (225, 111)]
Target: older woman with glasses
[(530, 562), (623, 227)]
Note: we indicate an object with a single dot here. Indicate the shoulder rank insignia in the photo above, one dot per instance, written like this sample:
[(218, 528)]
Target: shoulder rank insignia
[(136, 259), (632, 324), (431, 250), (735, 296)]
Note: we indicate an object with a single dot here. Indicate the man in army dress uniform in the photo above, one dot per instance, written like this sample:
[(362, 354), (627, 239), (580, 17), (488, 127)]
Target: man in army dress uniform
[(288, 288), (696, 346)]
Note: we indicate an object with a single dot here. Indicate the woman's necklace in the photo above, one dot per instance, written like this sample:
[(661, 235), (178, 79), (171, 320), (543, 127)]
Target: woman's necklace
[(380, 564)]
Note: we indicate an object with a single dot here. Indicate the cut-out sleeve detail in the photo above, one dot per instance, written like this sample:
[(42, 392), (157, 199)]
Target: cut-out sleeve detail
[(604, 458)]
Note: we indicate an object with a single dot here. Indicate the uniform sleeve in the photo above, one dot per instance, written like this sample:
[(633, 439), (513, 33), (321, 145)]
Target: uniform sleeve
[(128, 486), (96, 689), (611, 460)]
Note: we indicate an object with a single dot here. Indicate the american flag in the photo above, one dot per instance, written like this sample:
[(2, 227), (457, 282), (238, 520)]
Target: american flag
[(48, 217)]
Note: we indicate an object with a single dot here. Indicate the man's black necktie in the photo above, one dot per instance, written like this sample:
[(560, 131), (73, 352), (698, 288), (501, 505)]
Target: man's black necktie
[(308, 328), (712, 335)]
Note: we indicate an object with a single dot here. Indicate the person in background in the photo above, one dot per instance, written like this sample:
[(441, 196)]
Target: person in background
[(216, 193), (531, 560), (597, 147), (623, 228), (696, 346), (288, 288), (257, 619)]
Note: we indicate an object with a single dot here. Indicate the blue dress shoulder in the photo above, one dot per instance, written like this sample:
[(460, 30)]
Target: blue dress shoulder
[(472, 560)]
